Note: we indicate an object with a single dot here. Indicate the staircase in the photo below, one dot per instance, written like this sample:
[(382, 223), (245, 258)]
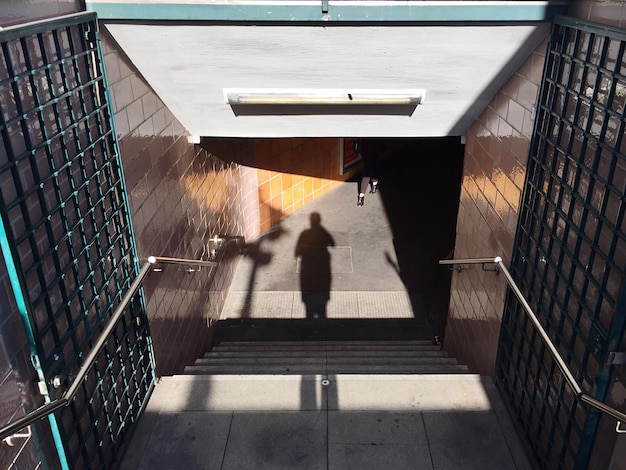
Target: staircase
[(325, 357)]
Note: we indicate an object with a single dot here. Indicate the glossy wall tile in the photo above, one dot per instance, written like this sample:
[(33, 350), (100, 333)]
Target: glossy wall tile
[(493, 179), (181, 195), (13, 12), (293, 172), (609, 12)]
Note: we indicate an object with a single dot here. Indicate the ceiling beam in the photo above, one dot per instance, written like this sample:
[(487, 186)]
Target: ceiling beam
[(362, 11)]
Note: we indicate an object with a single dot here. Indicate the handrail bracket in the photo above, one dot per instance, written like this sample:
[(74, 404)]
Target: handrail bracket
[(18, 435), (616, 358), (459, 266), (491, 268)]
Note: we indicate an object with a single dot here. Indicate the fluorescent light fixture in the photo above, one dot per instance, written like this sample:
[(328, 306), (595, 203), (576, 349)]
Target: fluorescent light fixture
[(323, 97)]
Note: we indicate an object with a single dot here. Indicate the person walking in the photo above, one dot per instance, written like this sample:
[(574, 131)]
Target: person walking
[(368, 150)]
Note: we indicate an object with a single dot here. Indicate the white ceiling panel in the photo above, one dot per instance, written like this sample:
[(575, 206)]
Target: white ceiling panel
[(461, 67)]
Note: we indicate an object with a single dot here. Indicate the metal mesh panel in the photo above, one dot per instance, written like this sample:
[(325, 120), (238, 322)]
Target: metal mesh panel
[(64, 202), (570, 251)]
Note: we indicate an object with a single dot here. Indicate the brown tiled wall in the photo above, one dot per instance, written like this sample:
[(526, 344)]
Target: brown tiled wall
[(181, 195), (14, 12), (609, 12), (493, 178), (293, 172), (494, 173)]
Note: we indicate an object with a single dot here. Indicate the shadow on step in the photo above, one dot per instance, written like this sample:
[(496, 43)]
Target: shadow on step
[(321, 330)]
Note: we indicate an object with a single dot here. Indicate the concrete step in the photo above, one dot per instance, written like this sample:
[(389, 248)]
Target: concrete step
[(330, 343), (326, 346), (384, 360), (266, 358), (253, 329), (323, 354), (323, 368), (325, 357)]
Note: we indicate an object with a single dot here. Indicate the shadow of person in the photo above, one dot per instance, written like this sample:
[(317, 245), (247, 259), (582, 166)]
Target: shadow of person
[(315, 273)]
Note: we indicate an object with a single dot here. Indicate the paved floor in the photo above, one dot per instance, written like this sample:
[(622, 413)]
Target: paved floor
[(354, 305), (384, 261), (325, 422)]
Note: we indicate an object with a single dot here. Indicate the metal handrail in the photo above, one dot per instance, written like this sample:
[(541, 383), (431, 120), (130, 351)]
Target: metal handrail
[(162, 259), (567, 373), (61, 402)]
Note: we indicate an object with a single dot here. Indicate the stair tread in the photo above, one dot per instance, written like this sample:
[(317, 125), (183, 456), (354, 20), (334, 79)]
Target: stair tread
[(327, 343), (331, 360), (326, 357), (326, 369), (331, 347), (330, 369), (363, 353)]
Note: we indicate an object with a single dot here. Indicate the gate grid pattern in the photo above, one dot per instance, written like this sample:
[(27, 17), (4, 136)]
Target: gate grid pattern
[(65, 216), (570, 248)]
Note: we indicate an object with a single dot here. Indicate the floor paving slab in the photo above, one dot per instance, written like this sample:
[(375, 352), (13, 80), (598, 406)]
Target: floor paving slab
[(407, 392), (476, 436), (245, 392), (376, 440), (277, 441), (188, 439)]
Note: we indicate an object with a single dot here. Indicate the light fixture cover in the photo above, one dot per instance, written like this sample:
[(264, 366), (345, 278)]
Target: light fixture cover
[(323, 96)]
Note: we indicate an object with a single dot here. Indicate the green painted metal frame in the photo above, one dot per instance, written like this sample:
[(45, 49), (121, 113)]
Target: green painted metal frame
[(570, 247), (66, 231), (329, 11), (21, 300)]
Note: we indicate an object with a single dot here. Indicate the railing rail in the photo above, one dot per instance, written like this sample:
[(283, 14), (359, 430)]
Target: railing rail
[(567, 373), (10, 429), (194, 262)]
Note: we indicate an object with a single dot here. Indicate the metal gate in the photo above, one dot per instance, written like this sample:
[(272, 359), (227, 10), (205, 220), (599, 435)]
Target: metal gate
[(66, 232), (570, 249)]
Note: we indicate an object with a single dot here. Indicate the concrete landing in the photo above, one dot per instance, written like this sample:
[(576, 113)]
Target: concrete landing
[(352, 305), (333, 422)]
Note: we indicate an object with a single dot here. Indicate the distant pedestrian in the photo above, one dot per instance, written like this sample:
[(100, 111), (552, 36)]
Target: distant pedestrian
[(368, 150)]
